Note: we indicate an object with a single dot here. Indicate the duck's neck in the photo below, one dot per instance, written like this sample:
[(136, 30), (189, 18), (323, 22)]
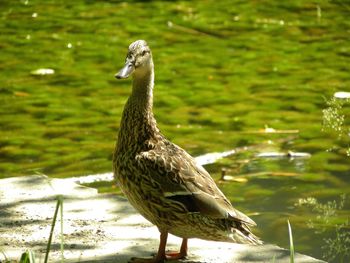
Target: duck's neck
[(142, 91), (138, 125)]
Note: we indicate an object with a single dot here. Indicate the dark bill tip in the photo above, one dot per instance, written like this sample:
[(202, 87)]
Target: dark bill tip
[(125, 72), (117, 76)]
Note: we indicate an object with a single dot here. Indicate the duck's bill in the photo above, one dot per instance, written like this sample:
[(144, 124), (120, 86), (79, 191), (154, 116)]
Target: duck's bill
[(126, 71)]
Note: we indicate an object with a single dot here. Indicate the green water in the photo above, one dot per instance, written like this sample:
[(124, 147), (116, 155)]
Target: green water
[(224, 70)]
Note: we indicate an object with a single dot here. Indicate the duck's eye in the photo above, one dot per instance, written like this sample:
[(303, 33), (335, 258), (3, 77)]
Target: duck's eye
[(144, 52)]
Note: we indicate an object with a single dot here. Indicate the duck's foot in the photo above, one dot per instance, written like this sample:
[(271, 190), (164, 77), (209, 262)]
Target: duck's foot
[(145, 260), (168, 257), (162, 256), (172, 255)]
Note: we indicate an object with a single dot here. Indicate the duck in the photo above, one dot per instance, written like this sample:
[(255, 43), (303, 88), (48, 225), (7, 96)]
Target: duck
[(161, 180)]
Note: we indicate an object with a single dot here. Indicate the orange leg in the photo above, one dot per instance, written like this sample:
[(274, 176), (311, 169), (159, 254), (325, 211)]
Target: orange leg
[(162, 255), (178, 255)]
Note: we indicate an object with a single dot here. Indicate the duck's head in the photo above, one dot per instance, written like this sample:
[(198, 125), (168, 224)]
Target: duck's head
[(138, 60)]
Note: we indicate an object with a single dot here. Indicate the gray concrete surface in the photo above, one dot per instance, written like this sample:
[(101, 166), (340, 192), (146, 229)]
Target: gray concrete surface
[(98, 227)]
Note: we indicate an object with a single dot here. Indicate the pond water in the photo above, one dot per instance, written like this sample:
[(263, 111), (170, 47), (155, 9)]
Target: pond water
[(229, 74)]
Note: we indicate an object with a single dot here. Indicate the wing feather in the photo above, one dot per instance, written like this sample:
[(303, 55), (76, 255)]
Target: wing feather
[(183, 180)]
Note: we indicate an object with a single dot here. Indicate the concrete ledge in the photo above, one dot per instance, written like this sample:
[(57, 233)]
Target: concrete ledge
[(99, 227)]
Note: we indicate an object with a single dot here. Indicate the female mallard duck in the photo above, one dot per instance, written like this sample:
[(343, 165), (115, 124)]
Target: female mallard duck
[(161, 180)]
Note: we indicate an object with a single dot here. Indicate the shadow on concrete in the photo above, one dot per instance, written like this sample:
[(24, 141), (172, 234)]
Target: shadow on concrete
[(98, 227)]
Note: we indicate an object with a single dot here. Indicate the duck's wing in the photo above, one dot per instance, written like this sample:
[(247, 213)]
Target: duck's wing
[(183, 180)]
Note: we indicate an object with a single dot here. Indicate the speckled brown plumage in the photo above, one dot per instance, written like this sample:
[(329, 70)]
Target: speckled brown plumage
[(161, 180)]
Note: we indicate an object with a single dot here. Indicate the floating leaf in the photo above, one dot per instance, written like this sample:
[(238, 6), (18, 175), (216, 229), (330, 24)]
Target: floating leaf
[(42, 72), (342, 95)]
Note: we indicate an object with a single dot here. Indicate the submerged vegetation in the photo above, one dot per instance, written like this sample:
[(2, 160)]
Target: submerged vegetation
[(330, 218), (336, 118)]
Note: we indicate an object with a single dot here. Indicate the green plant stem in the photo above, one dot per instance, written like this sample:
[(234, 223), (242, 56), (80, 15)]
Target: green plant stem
[(60, 198), (52, 229), (291, 244)]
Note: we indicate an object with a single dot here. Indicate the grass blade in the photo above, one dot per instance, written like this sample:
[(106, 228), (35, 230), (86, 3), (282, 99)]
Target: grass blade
[(291, 244), (60, 198), (51, 231), (31, 256), (4, 255), (27, 257)]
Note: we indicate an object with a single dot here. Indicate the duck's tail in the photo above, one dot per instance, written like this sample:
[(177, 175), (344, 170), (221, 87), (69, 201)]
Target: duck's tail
[(239, 232)]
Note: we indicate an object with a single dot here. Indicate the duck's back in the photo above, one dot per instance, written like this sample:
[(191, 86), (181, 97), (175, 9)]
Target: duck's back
[(173, 192)]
